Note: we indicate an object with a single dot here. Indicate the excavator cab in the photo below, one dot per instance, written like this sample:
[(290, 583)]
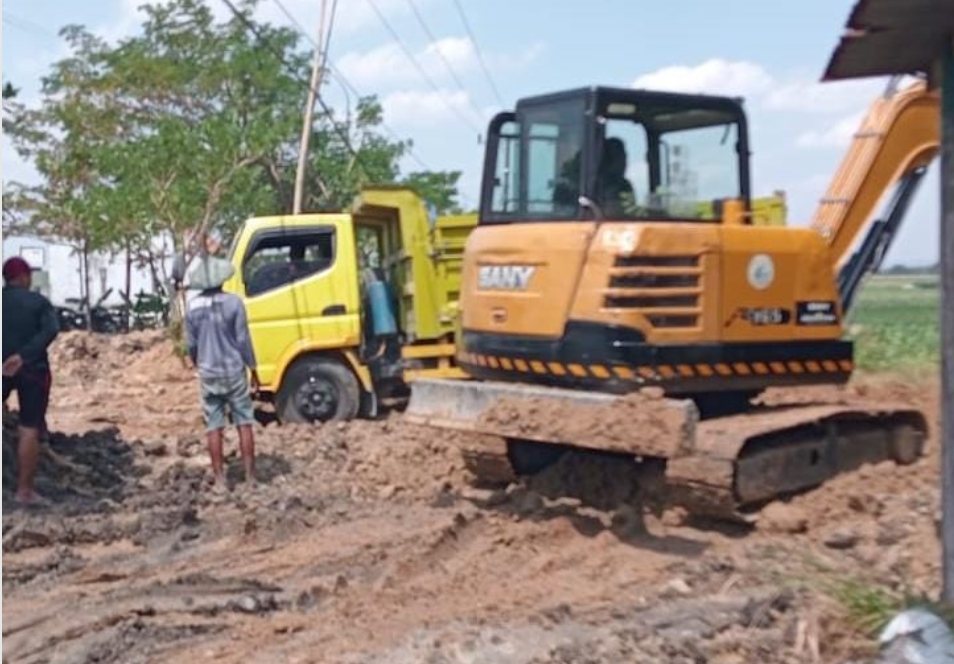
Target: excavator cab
[(607, 153)]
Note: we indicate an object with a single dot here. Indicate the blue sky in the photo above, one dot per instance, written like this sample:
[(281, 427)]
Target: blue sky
[(771, 53)]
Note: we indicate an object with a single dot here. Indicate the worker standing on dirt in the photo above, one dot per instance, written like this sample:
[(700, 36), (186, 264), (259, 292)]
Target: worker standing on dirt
[(29, 327), (221, 348)]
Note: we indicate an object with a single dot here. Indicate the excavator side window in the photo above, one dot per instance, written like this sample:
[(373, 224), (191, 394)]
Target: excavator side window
[(506, 188)]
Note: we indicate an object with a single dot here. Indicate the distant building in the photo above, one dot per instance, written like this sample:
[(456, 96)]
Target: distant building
[(61, 269)]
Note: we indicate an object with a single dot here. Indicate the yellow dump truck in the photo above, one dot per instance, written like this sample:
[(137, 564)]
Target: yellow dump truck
[(346, 309)]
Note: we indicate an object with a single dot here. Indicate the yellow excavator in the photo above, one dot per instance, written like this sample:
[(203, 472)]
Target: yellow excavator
[(617, 297)]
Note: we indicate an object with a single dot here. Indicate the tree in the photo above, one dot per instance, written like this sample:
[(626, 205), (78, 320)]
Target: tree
[(191, 125), (438, 189)]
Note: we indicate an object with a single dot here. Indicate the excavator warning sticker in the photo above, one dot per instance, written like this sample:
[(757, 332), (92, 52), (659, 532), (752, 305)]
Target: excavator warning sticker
[(816, 313)]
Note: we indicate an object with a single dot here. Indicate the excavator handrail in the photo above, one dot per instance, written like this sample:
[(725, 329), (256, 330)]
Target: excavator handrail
[(899, 135)]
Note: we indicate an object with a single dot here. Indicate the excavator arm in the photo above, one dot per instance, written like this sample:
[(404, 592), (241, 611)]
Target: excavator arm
[(897, 140)]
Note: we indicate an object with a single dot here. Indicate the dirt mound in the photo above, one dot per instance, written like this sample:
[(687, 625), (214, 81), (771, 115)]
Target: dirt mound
[(75, 470)]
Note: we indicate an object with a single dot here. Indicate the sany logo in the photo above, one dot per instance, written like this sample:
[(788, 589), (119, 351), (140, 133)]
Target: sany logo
[(505, 277)]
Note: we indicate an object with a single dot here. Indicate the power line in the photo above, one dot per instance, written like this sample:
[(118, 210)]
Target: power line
[(440, 53), (345, 83), (26, 25), (480, 58), (420, 69), (327, 111), (281, 58)]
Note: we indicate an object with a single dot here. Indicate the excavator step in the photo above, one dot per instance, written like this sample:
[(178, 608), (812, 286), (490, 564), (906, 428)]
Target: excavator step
[(718, 467)]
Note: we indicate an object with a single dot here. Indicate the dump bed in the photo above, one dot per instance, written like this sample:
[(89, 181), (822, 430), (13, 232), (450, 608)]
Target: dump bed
[(421, 256)]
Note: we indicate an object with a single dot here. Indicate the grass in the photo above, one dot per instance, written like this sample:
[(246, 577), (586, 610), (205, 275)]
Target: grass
[(895, 323), (870, 607)]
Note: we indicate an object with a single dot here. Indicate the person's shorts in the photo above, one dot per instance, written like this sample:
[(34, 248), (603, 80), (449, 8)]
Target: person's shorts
[(221, 393), (33, 395)]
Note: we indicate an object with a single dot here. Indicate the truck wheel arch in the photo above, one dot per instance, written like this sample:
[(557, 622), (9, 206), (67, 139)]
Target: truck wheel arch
[(319, 386)]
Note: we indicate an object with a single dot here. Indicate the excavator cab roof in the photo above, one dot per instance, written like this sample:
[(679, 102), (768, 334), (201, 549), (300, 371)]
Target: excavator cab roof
[(548, 159)]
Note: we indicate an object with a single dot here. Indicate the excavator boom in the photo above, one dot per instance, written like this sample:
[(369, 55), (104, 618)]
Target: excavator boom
[(899, 136)]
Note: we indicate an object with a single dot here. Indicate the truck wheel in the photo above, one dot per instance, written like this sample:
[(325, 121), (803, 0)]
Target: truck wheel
[(318, 390)]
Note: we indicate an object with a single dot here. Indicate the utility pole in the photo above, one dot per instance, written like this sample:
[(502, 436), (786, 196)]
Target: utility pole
[(947, 323), (313, 91)]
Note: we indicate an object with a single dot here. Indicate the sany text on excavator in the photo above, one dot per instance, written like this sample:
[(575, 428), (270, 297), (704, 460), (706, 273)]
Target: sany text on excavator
[(615, 252)]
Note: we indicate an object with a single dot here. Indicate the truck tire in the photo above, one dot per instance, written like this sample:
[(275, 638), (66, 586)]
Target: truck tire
[(317, 390)]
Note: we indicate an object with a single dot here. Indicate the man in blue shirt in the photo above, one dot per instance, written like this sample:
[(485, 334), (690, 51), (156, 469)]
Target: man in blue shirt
[(29, 327), (221, 348)]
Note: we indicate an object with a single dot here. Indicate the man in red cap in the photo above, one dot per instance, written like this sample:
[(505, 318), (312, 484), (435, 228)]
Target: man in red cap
[(29, 326)]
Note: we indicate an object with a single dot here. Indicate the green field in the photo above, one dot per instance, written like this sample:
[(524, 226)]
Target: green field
[(895, 323)]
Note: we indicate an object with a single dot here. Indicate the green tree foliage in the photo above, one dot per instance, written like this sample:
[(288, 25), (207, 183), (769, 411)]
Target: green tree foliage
[(438, 189), (191, 124)]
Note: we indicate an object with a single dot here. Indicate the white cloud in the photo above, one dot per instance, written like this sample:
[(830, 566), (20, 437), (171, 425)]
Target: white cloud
[(387, 65), (809, 96), (712, 76), (410, 108), (838, 135)]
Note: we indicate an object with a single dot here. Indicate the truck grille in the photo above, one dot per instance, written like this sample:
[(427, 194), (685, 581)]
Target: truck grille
[(666, 290)]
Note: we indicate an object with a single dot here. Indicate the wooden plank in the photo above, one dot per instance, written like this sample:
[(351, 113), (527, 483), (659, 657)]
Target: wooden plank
[(947, 323)]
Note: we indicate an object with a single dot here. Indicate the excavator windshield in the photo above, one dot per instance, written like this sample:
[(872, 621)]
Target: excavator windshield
[(615, 154)]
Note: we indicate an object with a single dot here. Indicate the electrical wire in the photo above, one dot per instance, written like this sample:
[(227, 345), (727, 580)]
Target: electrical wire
[(420, 69), (346, 140), (27, 26), (434, 40), (480, 58), (347, 86)]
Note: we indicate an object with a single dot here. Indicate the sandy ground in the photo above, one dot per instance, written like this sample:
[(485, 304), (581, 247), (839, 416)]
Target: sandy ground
[(365, 542)]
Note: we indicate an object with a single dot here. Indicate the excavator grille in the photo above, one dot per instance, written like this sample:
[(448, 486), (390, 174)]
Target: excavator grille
[(666, 290)]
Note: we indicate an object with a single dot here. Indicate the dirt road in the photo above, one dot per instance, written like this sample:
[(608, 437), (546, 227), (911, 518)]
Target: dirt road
[(365, 543)]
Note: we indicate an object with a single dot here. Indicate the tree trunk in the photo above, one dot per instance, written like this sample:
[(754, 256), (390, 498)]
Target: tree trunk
[(87, 301), (129, 264)]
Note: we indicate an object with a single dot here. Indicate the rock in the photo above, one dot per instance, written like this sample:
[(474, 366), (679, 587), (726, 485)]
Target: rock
[(841, 539), (486, 497), (679, 586), (783, 518), (156, 448), (247, 604), (188, 446), (388, 491)]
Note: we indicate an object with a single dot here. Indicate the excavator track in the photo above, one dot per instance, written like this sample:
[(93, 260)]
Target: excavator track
[(724, 467), (743, 461)]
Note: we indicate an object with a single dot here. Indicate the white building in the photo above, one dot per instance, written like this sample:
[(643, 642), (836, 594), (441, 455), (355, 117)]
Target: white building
[(62, 268)]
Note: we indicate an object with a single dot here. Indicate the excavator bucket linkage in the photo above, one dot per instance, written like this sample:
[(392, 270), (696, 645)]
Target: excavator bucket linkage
[(720, 467)]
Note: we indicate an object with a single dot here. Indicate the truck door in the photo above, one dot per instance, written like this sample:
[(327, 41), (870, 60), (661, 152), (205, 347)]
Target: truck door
[(298, 293)]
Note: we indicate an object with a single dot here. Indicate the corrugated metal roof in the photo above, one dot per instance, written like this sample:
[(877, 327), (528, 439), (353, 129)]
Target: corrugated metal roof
[(892, 37)]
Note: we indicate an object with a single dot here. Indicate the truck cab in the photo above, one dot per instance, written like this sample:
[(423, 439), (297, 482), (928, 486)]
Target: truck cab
[(346, 308)]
